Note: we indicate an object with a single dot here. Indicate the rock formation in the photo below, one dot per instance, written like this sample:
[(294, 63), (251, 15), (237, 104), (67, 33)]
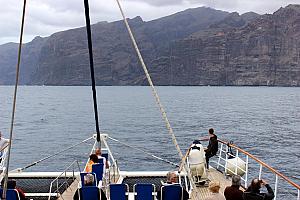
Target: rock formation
[(199, 46)]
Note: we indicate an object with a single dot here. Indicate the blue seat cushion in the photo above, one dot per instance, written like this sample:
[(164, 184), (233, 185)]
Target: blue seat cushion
[(144, 191)]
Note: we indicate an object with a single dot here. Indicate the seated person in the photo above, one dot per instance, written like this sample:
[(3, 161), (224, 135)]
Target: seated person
[(253, 191), (88, 181), (214, 188), (233, 192), (99, 155), (172, 178), (93, 160), (11, 184), (196, 160)]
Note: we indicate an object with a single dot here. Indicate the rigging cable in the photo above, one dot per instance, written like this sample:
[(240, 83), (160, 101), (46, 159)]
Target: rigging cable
[(164, 115), (90, 47), (14, 101), (162, 110), (57, 153), (138, 149)]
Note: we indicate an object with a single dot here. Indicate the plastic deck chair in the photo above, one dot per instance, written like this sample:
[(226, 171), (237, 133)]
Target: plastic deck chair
[(90, 193), (82, 174), (105, 155), (98, 170), (118, 191), (11, 194), (144, 191), (171, 192), (101, 161)]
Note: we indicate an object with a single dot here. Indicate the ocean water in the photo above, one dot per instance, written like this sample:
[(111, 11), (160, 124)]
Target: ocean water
[(262, 120)]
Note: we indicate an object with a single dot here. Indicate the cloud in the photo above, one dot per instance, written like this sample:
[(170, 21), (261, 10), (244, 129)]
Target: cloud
[(242, 6), (161, 2), (48, 16)]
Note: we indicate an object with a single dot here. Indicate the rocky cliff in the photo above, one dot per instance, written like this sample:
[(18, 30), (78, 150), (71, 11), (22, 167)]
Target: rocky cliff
[(198, 46), (264, 52)]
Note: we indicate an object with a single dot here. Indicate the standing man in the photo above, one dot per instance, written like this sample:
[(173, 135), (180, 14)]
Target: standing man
[(3, 144), (233, 192), (212, 147), (197, 162)]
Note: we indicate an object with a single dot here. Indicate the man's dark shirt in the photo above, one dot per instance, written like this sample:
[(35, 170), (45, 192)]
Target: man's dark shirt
[(75, 197), (257, 195), (212, 147), (233, 193)]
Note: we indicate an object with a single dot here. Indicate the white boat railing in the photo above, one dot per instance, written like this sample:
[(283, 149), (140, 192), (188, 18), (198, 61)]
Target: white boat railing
[(55, 185), (223, 161), (242, 156), (2, 163), (113, 172)]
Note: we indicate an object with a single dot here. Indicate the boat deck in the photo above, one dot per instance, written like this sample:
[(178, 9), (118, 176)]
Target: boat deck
[(69, 192), (202, 191), (213, 175)]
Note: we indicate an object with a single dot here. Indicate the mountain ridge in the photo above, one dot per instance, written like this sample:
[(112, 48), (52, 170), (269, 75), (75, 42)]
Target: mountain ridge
[(199, 46)]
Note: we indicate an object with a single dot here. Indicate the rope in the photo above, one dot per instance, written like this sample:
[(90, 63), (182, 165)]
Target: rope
[(90, 47), (50, 156), (162, 110), (138, 149), (14, 101)]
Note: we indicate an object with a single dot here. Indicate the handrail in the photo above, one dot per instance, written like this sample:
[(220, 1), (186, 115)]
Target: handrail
[(2, 164), (60, 175), (262, 163)]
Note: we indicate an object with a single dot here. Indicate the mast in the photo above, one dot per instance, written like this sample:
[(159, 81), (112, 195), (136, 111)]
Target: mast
[(90, 47)]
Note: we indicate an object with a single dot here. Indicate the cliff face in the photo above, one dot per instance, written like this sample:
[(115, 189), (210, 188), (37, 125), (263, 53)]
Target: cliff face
[(264, 52), (64, 56), (29, 61), (8, 60), (195, 47)]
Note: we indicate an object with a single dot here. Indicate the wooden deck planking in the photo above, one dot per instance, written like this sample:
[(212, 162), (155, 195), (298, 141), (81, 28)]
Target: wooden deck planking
[(70, 191), (213, 175)]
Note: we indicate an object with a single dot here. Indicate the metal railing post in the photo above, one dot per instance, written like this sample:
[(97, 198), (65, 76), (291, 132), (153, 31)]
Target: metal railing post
[(260, 171), (220, 154), (276, 186), (246, 174), (226, 160), (57, 187), (50, 191), (298, 195), (236, 161)]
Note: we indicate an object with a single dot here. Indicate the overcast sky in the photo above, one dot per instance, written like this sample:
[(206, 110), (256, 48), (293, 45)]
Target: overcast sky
[(45, 17)]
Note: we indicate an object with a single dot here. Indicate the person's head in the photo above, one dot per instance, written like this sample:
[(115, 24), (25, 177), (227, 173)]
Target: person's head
[(94, 158), (211, 131), (236, 180), (256, 184), (98, 152), (172, 177), (88, 180), (196, 142), (214, 186)]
